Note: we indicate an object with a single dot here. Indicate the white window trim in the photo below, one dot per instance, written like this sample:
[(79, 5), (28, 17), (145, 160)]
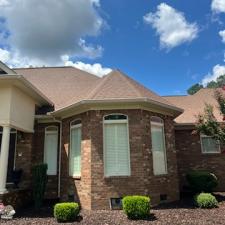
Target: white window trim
[(164, 143), (70, 148), (128, 140), (202, 150), (52, 132)]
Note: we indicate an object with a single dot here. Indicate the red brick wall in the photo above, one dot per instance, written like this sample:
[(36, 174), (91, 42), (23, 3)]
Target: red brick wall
[(23, 157), (79, 187), (38, 157), (93, 189), (190, 157)]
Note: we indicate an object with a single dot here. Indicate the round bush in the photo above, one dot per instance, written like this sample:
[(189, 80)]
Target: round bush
[(136, 207), (66, 212), (206, 200), (202, 181)]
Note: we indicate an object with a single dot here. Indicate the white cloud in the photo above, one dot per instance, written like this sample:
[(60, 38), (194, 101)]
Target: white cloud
[(217, 71), (43, 31), (95, 68), (171, 26), (222, 34), (4, 2), (4, 55), (218, 6)]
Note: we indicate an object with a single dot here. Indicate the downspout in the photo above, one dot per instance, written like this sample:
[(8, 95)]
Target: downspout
[(60, 154)]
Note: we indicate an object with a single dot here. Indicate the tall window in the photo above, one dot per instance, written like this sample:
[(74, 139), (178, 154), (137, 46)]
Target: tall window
[(51, 149), (75, 148), (209, 145), (116, 146), (158, 146)]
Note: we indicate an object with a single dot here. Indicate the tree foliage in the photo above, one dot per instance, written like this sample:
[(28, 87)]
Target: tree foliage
[(220, 82), (207, 123), (195, 88)]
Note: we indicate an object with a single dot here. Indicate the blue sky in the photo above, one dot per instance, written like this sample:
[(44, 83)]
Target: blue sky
[(116, 35)]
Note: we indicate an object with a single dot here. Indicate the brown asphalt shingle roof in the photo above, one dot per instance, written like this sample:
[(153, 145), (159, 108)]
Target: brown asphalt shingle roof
[(195, 104), (62, 85), (66, 86)]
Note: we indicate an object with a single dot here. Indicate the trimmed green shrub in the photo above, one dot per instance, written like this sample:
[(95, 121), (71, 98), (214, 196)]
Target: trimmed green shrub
[(66, 212), (39, 177), (136, 207), (202, 181), (206, 200)]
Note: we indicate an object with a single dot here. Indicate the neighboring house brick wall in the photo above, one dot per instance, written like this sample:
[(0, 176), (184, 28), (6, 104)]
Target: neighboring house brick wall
[(93, 190), (190, 157)]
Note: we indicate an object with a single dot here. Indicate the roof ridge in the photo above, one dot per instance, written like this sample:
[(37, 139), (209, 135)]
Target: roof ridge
[(174, 96), (41, 67), (94, 91), (127, 79)]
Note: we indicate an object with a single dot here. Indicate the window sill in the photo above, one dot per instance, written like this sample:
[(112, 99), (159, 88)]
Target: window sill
[(161, 175), (117, 177), (76, 177)]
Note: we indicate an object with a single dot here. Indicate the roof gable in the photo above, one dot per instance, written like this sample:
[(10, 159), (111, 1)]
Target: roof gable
[(117, 85), (4, 69)]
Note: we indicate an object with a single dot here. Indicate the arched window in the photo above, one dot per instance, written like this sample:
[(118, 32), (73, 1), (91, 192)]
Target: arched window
[(51, 149), (116, 145), (75, 149), (158, 146)]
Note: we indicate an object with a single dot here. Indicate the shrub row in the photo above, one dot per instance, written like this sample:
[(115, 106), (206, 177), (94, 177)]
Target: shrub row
[(135, 207)]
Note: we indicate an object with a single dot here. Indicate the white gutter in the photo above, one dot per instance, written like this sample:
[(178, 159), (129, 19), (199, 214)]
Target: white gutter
[(136, 100)]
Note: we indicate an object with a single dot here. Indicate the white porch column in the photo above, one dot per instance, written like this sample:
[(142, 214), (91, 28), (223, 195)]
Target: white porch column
[(4, 155)]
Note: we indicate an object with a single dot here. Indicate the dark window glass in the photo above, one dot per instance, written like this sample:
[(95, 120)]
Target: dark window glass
[(116, 117), (75, 122)]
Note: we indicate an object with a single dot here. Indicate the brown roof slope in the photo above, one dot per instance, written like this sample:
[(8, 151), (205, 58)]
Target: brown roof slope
[(66, 86), (195, 104), (60, 84), (118, 86)]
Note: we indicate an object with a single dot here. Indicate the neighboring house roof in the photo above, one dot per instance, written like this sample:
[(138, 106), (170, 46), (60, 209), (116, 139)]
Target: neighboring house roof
[(194, 105), (68, 86)]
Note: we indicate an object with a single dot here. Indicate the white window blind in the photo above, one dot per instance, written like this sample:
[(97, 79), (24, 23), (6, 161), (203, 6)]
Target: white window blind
[(158, 149), (116, 148), (75, 150), (209, 145), (51, 149)]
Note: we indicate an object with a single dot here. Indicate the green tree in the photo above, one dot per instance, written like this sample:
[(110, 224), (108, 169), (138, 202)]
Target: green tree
[(212, 84), (194, 88), (207, 123), (220, 82)]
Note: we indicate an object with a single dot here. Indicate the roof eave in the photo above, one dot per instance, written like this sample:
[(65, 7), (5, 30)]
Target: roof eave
[(34, 92), (174, 110)]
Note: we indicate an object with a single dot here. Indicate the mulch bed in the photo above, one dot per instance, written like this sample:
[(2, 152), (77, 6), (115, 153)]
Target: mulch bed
[(180, 213)]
